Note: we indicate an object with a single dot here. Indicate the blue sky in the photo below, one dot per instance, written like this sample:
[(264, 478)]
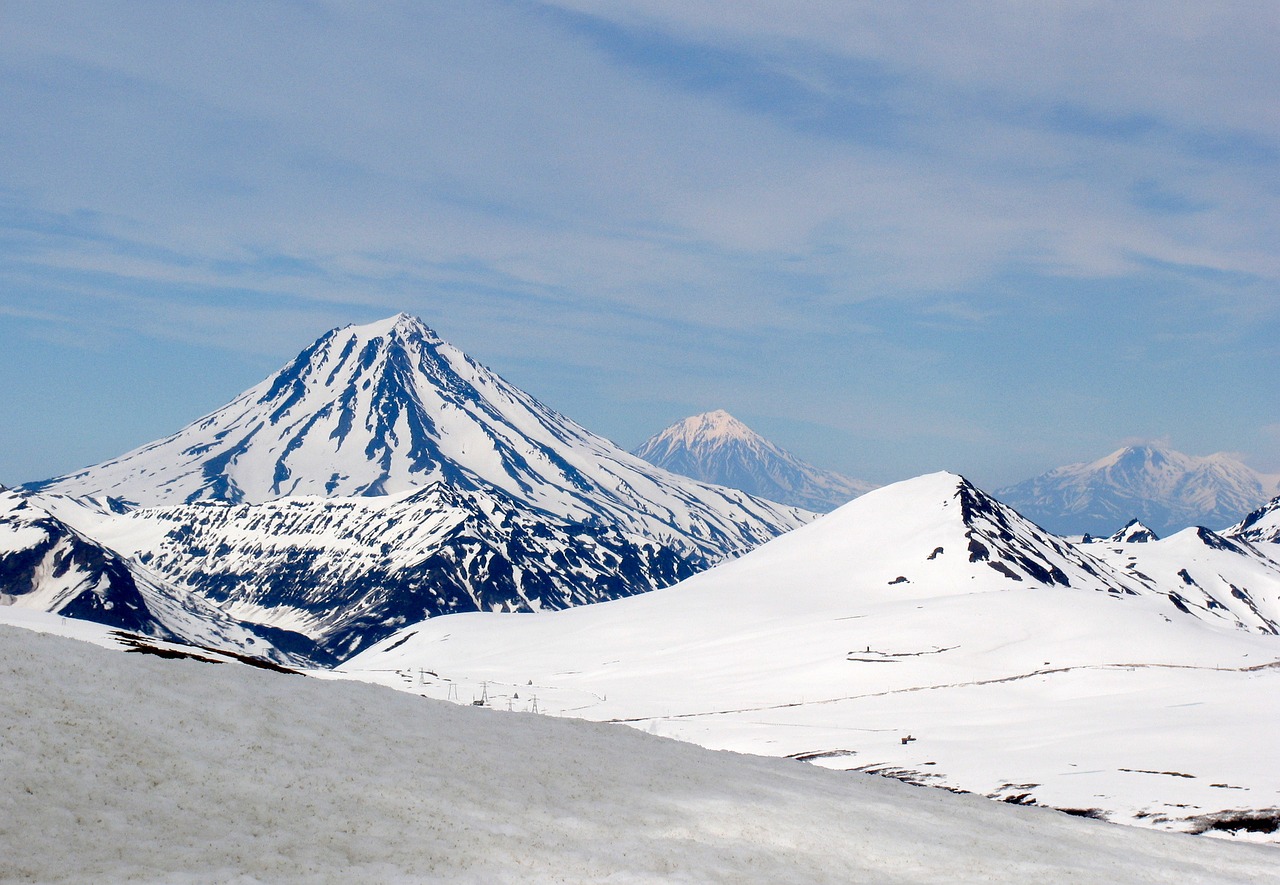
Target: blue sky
[(895, 238)]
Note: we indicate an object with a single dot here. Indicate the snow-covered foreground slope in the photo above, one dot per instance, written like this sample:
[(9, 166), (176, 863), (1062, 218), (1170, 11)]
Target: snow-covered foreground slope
[(716, 447), (119, 767), (922, 630)]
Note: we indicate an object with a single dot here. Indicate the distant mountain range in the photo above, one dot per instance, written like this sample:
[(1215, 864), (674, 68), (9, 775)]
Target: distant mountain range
[(716, 447), (1164, 489), (387, 407)]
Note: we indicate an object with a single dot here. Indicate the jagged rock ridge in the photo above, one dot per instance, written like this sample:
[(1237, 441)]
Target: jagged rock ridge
[(347, 571), (1262, 526)]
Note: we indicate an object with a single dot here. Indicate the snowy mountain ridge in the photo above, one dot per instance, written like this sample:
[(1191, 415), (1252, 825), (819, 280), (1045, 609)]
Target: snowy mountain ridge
[(1210, 575), (48, 566), (927, 632), (1165, 489), (1132, 532), (715, 447), (1262, 526), (345, 572)]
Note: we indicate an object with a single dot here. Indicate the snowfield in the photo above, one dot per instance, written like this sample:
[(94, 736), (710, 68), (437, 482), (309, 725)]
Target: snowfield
[(128, 768), (387, 503)]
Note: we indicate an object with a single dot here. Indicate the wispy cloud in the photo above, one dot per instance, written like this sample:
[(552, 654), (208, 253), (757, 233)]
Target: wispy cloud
[(893, 219)]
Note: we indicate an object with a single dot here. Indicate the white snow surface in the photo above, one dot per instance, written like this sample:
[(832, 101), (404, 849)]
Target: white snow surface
[(716, 447), (127, 768), (388, 407), (923, 631)]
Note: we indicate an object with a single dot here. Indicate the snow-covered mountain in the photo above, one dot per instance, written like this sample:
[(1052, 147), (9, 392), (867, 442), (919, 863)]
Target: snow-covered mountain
[(387, 407), (48, 566), (307, 781), (928, 632), (1166, 490), (383, 477), (1132, 532), (347, 571), (1204, 573), (1262, 526), (715, 447)]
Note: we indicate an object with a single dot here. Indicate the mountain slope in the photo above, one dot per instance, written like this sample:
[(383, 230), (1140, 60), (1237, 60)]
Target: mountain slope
[(48, 566), (313, 781), (924, 631), (1132, 532), (387, 407), (1166, 490), (717, 448), (347, 571), (1204, 573)]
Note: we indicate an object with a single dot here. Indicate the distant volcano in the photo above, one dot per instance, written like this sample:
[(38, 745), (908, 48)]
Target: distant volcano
[(389, 407), (716, 447), (1164, 489)]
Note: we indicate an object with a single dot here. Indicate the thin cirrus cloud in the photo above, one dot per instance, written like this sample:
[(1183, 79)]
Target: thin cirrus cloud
[(1028, 154), (880, 228)]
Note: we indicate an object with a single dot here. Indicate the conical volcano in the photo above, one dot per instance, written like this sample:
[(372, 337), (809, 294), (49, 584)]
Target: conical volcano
[(718, 448), (383, 477), (390, 406)]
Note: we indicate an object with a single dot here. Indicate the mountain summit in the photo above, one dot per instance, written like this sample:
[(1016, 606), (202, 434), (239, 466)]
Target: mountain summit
[(718, 448), (388, 407), (1165, 489)]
